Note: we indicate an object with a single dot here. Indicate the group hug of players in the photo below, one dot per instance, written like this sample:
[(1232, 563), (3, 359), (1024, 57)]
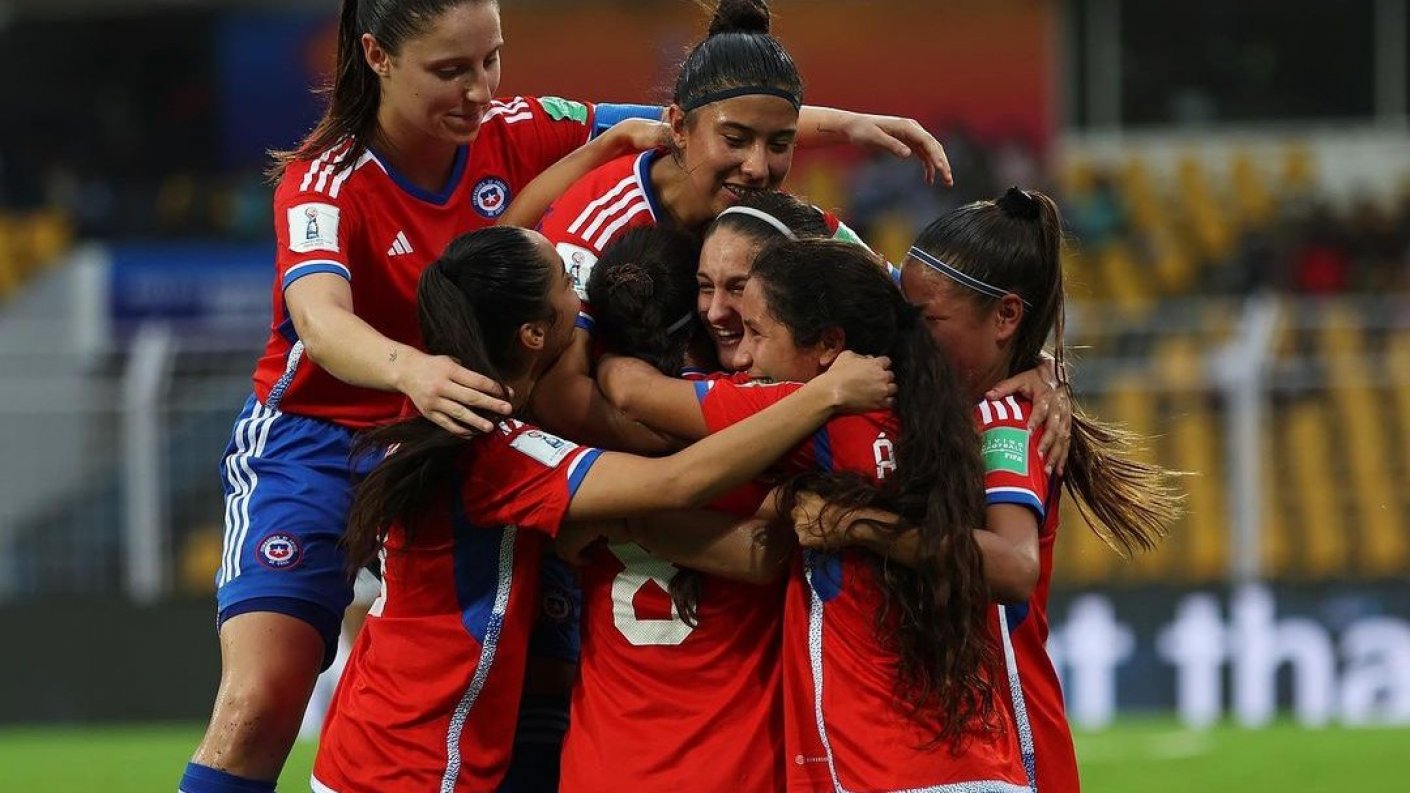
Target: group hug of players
[(803, 498)]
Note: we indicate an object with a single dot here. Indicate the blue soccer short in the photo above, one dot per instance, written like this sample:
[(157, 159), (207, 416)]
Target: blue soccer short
[(289, 482)]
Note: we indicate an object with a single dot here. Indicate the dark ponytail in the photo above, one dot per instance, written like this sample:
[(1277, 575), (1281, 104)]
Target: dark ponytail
[(1014, 243), (737, 53), (354, 93), (471, 303), (935, 618)]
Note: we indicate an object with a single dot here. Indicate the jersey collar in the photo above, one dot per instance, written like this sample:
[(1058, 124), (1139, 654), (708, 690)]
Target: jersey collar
[(643, 178), (457, 172)]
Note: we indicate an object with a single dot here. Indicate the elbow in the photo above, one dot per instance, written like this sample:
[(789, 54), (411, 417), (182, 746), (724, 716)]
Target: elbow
[(769, 570), (1016, 584), (314, 340)]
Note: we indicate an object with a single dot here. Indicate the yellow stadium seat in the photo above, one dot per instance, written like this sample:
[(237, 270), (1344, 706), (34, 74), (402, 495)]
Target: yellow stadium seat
[(1379, 519), (1201, 543), (1312, 487)]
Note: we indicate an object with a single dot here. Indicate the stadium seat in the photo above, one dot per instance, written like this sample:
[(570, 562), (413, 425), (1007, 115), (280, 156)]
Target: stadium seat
[(1193, 442), (1362, 416)]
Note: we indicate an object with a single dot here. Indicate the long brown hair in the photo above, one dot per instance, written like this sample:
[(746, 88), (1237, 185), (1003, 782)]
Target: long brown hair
[(471, 303), (1014, 243), (936, 617), (354, 93)]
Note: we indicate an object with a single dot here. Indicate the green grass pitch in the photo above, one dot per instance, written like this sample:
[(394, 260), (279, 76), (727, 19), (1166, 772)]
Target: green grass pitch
[(1151, 756)]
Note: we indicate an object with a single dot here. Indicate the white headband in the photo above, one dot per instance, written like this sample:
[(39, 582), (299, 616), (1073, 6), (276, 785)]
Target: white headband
[(760, 215)]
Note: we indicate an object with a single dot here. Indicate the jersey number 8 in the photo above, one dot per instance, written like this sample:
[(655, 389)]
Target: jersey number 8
[(642, 568)]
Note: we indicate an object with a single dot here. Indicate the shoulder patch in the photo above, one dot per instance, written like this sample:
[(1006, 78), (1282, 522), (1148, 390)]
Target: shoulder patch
[(579, 262), (1006, 449), (313, 227), (547, 449), (564, 109)]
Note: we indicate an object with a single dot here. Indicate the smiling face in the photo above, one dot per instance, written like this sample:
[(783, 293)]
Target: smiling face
[(769, 345), (733, 146), (440, 83), (725, 261)]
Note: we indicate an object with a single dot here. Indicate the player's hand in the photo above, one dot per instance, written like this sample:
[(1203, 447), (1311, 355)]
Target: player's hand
[(1052, 408), (903, 138), (818, 524), (453, 397), (638, 134), (859, 383)]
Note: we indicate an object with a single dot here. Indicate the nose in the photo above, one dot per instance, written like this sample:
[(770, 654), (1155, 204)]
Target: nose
[(719, 309), (755, 166), (477, 87), (743, 355)]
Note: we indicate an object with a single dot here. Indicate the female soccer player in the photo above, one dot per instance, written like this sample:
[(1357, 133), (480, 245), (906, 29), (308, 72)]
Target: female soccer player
[(905, 700), (988, 281), (429, 694), (412, 150), (679, 683)]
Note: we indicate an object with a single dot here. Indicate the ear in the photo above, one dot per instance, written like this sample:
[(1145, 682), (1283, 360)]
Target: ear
[(831, 345), (1008, 317), (378, 59), (675, 117), (533, 335)]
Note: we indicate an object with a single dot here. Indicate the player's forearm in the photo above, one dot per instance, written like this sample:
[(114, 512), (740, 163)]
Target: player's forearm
[(1010, 573), (536, 197), (728, 459), (823, 126), (716, 543), (345, 346), (665, 404)]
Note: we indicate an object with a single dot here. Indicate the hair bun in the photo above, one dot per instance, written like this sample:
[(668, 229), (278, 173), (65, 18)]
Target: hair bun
[(1019, 204), (740, 16)]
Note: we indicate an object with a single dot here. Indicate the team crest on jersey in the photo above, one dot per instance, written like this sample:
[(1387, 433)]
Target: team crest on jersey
[(490, 197), (279, 551), (557, 605), (547, 449)]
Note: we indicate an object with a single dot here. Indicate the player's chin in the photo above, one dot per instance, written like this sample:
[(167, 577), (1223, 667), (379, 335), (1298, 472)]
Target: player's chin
[(461, 129)]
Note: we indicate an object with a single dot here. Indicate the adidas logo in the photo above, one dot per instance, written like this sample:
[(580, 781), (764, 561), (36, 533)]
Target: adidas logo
[(399, 245)]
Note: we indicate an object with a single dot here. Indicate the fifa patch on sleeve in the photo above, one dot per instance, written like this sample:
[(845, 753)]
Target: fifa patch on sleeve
[(564, 109), (1006, 449), (579, 261), (313, 227), (547, 449)]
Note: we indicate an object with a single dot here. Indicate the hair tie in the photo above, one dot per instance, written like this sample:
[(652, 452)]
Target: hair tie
[(1018, 203), (760, 214), (680, 323), (962, 278)]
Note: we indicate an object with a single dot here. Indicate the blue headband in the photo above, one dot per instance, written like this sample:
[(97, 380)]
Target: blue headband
[(963, 279)]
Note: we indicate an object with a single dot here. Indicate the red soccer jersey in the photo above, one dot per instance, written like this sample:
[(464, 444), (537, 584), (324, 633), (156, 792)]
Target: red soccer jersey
[(661, 705), (843, 729), (365, 222), (430, 693), (1014, 475), (598, 208)]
